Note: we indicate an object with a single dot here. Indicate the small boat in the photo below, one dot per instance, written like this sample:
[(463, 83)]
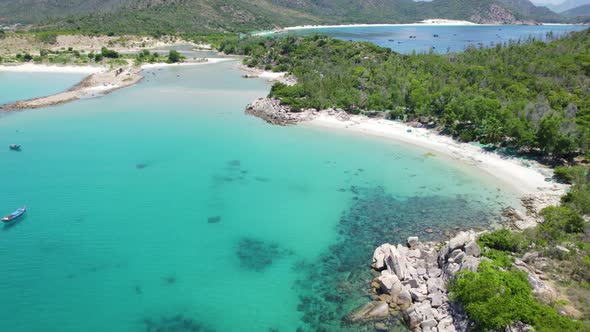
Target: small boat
[(435, 36), (14, 215), (14, 147)]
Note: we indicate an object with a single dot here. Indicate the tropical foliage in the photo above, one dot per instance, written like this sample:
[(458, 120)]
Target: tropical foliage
[(529, 95)]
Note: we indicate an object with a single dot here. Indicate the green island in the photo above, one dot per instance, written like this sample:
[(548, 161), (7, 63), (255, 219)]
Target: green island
[(526, 98)]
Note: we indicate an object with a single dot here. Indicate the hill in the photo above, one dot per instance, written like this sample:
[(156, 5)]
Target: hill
[(30, 11), (567, 5), (578, 11), (203, 16)]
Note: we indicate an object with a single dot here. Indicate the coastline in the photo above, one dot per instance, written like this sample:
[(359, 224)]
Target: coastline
[(183, 64), (100, 81), (43, 68), (525, 178), (427, 22)]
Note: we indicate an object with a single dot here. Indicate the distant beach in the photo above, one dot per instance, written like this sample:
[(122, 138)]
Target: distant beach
[(428, 22), (41, 68)]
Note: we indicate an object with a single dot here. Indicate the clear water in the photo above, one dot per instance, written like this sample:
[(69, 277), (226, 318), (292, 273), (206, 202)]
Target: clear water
[(19, 86), (164, 206), (450, 38)]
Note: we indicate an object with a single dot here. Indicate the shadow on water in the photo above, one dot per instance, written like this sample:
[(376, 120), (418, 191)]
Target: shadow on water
[(338, 282), (10, 225)]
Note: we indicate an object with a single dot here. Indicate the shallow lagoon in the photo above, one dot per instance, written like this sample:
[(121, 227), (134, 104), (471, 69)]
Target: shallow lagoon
[(16, 86)]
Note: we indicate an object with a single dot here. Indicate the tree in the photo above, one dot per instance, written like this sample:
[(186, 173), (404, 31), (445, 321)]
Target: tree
[(105, 52), (174, 56)]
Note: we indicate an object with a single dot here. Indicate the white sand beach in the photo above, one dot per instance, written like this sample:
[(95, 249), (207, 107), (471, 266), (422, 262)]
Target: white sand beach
[(524, 177), (181, 64), (428, 22), (42, 68)]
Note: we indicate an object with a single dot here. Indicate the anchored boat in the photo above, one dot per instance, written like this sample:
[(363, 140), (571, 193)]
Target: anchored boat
[(14, 215)]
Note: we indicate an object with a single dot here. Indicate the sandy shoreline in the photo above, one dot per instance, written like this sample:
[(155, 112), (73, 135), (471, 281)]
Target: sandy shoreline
[(428, 22), (183, 64), (100, 81), (525, 177), (42, 68)]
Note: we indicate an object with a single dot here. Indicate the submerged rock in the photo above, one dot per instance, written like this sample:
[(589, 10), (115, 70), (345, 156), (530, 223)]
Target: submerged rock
[(371, 311), (214, 220), (178, 323), (257, 255)]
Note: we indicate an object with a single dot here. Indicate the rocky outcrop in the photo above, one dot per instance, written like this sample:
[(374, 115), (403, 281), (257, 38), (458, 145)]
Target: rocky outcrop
[(272, 111), (413, 280), (533, 204)]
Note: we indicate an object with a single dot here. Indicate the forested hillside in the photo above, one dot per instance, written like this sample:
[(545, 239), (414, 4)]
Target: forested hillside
[(198, 16), (29, 11), (529, 95)]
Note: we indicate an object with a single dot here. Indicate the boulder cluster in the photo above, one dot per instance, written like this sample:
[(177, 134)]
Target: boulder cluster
[(272, 111), (413, 280)]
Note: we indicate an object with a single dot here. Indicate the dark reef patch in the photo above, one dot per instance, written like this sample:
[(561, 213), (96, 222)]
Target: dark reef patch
[(234, 163), (257, 255), (169, 279), (178, 323), (339, 280), (214, 220)]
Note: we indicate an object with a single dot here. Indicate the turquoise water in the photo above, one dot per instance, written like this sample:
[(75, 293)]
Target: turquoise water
[(163, 206), (20, 86), (450, 38)]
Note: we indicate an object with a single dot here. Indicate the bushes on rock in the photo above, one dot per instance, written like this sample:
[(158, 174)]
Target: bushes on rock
[(495, 298), (559, 222), (503, 240)]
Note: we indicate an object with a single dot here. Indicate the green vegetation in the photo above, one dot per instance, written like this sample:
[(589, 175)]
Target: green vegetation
[(562, 243), (526, 95), (495, 297), (216, 16), (174, 56), (75, 57)]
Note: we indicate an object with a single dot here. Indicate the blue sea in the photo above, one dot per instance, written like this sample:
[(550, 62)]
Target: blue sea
[(163, 207), (441, 38)]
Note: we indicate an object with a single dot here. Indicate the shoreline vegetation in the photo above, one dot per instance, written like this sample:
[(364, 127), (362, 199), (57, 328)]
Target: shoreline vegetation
[(111, 63)]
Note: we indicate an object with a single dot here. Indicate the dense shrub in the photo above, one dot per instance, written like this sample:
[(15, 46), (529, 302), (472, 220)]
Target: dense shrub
[(558, 222), (105, 52), (174, 56), (503, 240), (494, 298)]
